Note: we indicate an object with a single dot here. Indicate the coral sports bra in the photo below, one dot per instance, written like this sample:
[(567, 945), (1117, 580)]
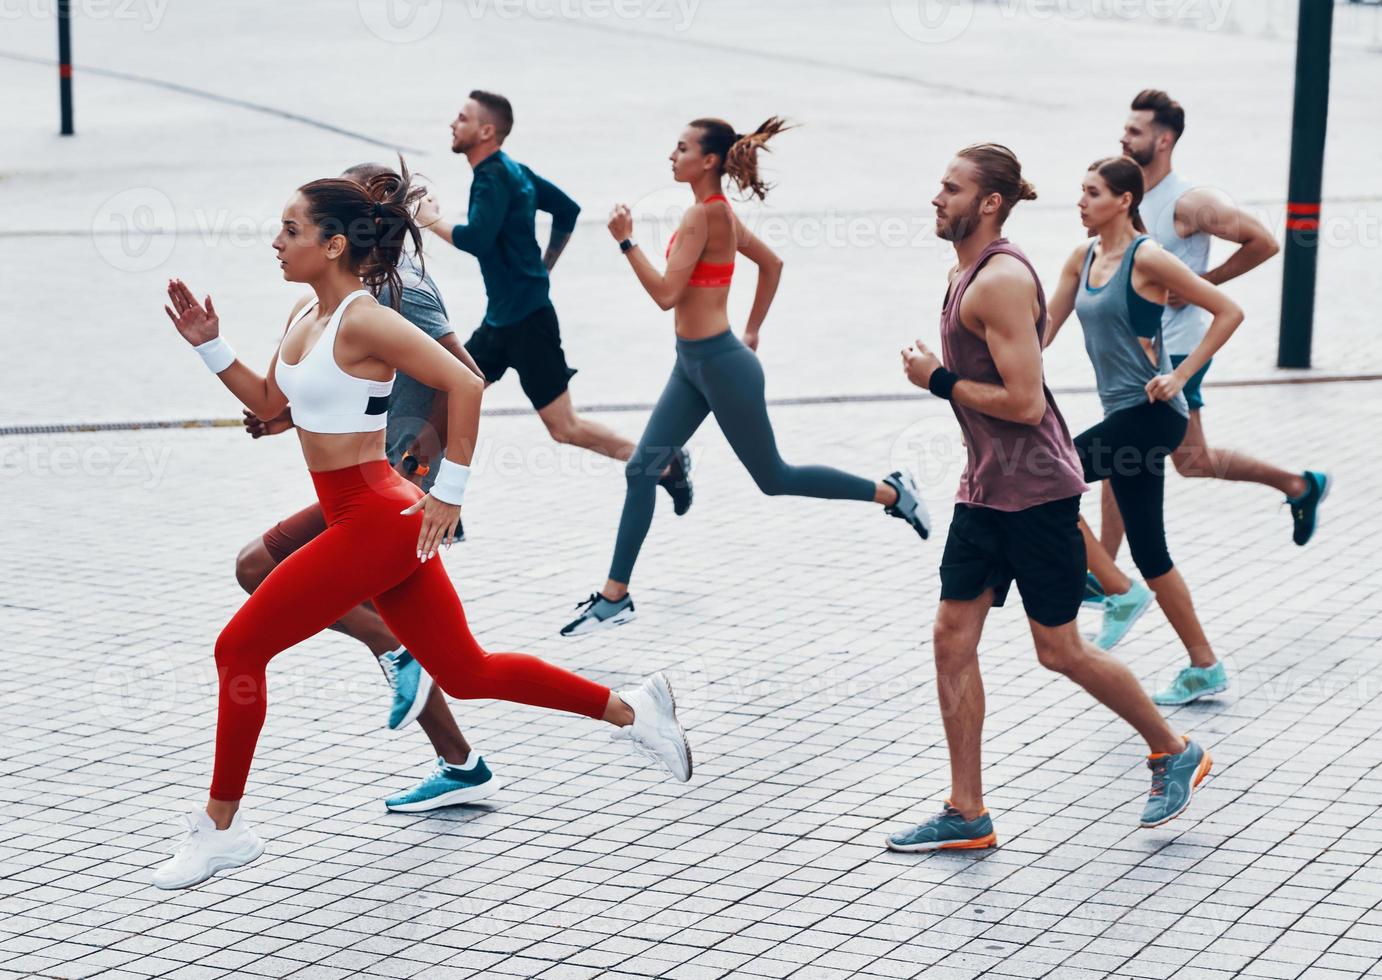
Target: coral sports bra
[(708, 273), (322, 396)]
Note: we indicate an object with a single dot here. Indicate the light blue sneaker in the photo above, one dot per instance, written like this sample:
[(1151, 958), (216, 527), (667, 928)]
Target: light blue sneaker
[(599, 613), (1120, 612), (1174, 780), (1093, 592), (448, 785), (1193, 683), (947, 830), (410, 684), (1305, 508), (909, 507)]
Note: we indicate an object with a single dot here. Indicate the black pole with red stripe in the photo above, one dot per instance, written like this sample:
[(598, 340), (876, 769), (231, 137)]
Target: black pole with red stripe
[(1307, 175), (65, 64)]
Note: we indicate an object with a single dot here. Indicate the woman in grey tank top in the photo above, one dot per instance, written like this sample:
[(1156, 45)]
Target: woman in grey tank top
[(1116, 282)]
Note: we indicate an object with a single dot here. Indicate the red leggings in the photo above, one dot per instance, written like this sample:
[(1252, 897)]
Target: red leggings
[(368, 551)]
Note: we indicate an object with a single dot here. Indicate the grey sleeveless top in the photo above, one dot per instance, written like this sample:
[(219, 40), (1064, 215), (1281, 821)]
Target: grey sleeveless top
[(1114, 317)]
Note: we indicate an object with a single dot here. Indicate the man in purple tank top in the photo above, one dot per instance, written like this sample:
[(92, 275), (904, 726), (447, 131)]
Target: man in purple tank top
[(1017, 509)]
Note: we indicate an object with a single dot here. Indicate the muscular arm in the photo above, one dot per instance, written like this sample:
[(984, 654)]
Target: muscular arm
[(1211, 211), (769, 274), (564, 211), (1000, 301), (489, 202)]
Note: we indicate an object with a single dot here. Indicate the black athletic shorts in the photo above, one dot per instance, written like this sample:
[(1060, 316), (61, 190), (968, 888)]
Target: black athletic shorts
[(532, 347), (1040, 547)]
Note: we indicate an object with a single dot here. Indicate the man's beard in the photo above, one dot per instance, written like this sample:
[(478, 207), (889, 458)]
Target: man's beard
[(962, 227), (1141, 157)]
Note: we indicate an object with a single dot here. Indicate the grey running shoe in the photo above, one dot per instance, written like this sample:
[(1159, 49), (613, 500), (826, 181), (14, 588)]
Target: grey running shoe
[(947, 830), (910, 507), (599, 613)]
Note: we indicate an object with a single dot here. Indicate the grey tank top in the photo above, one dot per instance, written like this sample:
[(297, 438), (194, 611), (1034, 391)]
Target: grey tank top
[(1009, 466), (1121, 365)]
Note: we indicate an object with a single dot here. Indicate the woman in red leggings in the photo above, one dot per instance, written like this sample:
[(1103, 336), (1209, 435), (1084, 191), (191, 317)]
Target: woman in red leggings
[(335, 365)]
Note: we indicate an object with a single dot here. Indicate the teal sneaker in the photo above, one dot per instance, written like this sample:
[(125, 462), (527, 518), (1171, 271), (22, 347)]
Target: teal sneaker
[(1093, 592), (410, 684), (1193, 683), (1305, 508), (947, 830), (447, 785), (1174, 781), (1120, 612)]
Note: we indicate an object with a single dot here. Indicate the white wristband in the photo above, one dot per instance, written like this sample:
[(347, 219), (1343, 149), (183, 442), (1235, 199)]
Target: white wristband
[(449, 486), (216, 353)]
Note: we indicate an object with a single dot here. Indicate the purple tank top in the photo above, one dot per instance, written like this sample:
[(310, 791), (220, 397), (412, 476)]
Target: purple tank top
[(1010, 466)]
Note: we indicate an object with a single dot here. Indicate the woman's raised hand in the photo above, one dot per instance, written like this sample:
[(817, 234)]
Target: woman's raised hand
[(196, 324), (621, 222)]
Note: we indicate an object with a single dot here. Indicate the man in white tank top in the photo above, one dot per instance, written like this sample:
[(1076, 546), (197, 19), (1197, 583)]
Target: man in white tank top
[(1184, 219)]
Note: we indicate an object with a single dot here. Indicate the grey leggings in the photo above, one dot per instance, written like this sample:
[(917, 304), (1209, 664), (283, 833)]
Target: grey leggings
[(720, 375)]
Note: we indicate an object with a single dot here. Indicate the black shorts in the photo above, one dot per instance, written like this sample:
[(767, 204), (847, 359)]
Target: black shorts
[(532, 347), (1040, 547)]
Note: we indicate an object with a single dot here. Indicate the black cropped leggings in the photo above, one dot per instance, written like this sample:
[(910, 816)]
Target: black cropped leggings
[(1129, 449)]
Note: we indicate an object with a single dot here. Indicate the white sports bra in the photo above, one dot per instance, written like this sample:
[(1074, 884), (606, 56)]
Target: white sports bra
[(322, 396)]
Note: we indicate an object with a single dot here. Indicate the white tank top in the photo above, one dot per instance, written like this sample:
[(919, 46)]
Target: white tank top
[(322, 396), (1184, 328)]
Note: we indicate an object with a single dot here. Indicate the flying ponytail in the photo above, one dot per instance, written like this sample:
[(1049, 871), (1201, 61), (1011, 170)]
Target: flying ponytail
[(738, 153)]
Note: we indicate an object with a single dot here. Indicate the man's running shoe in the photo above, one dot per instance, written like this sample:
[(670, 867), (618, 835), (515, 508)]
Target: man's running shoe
[(910, 507), (677, 481), (1305, 508), (410, 684), (1093, 592), (655, 731), (599, 613), (1120, 612), (448, 785), (947, 830), (206, 850), (1174, 780), (1193, 683)]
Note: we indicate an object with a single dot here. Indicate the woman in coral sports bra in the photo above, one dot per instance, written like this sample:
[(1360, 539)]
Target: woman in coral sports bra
[(336, 365), (715, 371)]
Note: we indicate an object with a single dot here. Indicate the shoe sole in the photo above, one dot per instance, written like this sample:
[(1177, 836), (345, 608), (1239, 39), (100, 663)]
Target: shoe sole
[(424, 691), (618, 619), (661, 679), (1324, 493), (1128, 628), (1206, 764), (1220, 689), (977, 843), (457, 797), (225, 863)]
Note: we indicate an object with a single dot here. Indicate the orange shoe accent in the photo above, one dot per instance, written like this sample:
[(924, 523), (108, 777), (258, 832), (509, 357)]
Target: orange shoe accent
[(1206, 764), (988, 840)]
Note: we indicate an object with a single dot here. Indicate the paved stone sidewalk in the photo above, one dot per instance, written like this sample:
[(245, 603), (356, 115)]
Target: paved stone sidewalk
[(797, 633)]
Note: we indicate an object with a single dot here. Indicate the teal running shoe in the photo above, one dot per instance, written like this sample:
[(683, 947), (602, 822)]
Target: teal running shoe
[(1093, 592), (599, 613), (1305, 508), (410, 684), (1193, 683), (909, 507), (1174, 781), (1121, 612), (947, 830), (447, 785)]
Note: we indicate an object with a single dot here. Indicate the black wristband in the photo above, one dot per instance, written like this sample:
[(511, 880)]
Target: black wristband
[(942, 382), (626, 245)]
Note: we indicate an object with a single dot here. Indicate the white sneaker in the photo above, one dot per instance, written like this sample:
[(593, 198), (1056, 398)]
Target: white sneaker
[(655, 731), (206, 850)]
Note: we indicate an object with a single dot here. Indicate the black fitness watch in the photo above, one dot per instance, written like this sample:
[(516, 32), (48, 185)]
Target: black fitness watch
[(627, 244)]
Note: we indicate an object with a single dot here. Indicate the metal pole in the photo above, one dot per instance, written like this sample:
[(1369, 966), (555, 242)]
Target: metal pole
[(1307, 173), (65, 64)]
